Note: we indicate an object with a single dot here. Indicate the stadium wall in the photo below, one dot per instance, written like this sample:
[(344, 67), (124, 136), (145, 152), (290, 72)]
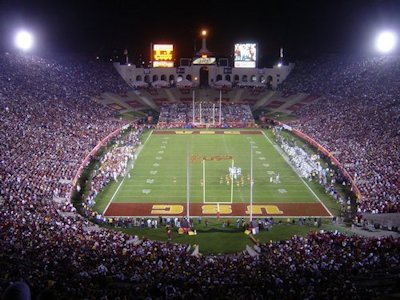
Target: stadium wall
[(276, 75)]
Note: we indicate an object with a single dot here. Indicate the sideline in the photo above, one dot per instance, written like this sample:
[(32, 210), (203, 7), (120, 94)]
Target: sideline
[(305, 183), (119, 186)]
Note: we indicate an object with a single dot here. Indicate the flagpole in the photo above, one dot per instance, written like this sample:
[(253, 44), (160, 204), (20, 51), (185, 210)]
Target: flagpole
[(126, 56)]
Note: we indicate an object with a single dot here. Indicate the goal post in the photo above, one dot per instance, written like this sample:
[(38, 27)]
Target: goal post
[(204, 181), (233, 165)]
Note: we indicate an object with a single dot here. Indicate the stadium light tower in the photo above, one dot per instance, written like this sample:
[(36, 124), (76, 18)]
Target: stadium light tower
[(386, 41), (204, 52), (24, 40)]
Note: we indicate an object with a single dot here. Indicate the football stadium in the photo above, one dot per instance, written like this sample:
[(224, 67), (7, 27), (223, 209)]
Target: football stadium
[(186, 176)]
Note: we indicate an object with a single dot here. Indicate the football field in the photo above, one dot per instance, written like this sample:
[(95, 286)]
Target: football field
[(212, 171)]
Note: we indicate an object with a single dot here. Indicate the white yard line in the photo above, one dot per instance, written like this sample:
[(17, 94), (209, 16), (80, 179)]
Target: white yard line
[(305, 183), (122, 181), (113, 196)]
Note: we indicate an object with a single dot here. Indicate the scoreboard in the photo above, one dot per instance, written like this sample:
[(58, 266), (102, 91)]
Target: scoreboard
[(163, 56)]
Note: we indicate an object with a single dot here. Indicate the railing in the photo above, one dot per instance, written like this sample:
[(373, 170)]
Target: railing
[(321, 148)]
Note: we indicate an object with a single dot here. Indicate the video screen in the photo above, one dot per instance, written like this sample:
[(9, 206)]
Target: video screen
[(245, 55)]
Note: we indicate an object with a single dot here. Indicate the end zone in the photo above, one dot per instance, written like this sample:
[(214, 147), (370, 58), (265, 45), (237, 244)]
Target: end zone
[(211, 210)]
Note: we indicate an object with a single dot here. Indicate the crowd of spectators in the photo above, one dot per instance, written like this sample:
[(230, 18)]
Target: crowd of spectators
[(56, 254), (113, 165), (181, 115), (48, 126), (356, 119)]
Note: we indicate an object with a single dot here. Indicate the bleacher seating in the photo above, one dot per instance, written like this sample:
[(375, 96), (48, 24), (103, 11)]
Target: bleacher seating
[(49, 124)]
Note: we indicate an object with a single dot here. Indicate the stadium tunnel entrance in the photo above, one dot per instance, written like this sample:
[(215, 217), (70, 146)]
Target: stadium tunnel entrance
[(204, 77)]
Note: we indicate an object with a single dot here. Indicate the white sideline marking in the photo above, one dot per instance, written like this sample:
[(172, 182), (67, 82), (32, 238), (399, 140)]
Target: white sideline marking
[(305, 183), (119, 186)]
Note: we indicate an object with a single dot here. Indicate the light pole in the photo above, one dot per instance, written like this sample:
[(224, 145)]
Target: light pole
[(24, 40)]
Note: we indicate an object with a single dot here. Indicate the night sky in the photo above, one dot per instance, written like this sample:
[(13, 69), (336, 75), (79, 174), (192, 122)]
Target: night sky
[(303, 28)]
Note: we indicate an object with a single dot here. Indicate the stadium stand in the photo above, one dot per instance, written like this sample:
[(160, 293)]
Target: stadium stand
[(357, 120), (181, 115), (49, 124)]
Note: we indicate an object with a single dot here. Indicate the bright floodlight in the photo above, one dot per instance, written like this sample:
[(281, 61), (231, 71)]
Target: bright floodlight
[(24, 40), (386, 41)]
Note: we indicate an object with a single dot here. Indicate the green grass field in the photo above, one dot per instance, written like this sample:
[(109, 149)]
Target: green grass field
[(161, 171), (166, 162), (217, 240)]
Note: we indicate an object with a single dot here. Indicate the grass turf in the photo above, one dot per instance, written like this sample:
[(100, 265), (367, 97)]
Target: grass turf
[(169, 185), (160, 172), (214, 239)]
